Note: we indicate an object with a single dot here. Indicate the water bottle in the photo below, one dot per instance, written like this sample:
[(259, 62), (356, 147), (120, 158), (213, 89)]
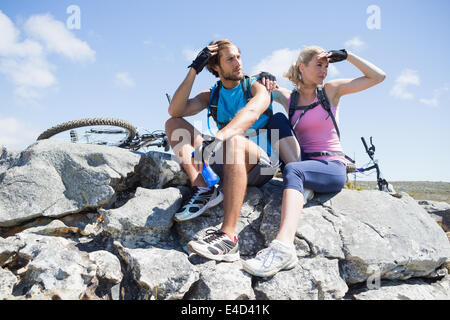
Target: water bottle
[(210, 177)]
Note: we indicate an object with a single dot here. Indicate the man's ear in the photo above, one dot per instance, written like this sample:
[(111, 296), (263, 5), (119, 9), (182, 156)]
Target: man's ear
[(216, 68)]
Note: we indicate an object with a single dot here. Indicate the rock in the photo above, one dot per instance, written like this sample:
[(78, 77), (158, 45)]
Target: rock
[(7, 159), (9, 249), (250, 240), (108, 266), (221, 281), (366, 230), (95, 222), (50, 265), (163, 273), (144, 219), (393, 236), (439, 211), (158, 170), (7, 282), (313, 279), (414, 289), (54, 179)]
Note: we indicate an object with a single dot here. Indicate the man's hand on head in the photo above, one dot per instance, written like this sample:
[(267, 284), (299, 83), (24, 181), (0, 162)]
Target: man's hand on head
[(203, 57)]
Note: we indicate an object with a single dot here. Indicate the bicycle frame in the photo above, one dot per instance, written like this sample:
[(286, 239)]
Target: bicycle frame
[(383, 185), (154, 139)]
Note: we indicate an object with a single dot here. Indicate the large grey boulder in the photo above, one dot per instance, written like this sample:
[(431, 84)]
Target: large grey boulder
[(163, 273), (144, 219), (313, 279), (53, 179), (49, 266), (381, 233), (414, 289), (158, 170), (221, 281), (369, 231)]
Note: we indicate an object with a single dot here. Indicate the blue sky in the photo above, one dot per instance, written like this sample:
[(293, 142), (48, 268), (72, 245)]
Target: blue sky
[(127, 54)]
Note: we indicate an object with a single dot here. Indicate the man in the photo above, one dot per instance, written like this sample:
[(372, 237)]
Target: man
[(237, 160)]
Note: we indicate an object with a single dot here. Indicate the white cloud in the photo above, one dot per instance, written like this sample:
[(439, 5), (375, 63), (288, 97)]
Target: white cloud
[(333, 71), (190, 54), (123, 79), (437, 93), (58, 39), (15, 134), (278, 62), (355, 44), (25, 63), (407, 78), (30, 76)]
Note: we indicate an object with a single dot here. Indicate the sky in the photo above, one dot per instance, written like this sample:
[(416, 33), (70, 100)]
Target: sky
[(67, 60)]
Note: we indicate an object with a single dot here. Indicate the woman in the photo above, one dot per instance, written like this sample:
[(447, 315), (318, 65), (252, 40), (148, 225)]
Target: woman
[(315, 132)]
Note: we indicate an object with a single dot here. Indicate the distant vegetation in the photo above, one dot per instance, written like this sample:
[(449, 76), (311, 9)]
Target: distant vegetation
[(419, 190)]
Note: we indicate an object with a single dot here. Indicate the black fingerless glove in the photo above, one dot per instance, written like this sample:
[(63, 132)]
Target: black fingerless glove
[(337, 55), (201, 61), (267, 75)]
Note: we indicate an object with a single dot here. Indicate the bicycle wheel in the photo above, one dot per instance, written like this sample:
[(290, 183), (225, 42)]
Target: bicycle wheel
[(103, 131)]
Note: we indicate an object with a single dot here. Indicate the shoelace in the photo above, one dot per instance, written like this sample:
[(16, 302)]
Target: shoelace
[(212, 235), (265, 255), (198, 195)]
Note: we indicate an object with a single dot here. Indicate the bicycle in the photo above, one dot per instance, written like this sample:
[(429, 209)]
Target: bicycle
[(106, 131), (382, 184)]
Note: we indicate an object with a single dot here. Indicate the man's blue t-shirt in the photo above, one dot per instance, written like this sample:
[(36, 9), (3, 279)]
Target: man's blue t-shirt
[(230, 102)]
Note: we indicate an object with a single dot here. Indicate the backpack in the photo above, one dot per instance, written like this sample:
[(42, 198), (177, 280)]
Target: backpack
[(322, 100), (214, 101)]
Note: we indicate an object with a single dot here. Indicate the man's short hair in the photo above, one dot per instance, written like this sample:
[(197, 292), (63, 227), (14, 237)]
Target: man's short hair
[(215, 60)]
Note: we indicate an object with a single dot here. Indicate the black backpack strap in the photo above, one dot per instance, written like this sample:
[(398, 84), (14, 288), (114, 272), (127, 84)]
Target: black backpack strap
[(325, 102), (247, 91), (292, 104), (293, 107), (323, 99), (214, 101), (246, 88)]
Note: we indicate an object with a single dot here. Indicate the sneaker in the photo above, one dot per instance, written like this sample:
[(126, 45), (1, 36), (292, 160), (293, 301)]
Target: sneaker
[(278, 256), (203, 198), (215, 245), (308, 195)]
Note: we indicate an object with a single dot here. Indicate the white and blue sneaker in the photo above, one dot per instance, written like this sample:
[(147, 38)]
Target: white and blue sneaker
[(269, 261), (203, 199)]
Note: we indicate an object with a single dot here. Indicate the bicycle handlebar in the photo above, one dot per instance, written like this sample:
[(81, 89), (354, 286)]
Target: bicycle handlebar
[(365, 144), (370, 151)]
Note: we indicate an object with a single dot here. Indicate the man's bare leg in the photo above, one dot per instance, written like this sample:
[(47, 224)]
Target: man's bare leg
[(241, 155), (184, 138)]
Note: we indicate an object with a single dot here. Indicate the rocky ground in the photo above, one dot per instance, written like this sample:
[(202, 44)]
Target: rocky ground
[(94, 222)]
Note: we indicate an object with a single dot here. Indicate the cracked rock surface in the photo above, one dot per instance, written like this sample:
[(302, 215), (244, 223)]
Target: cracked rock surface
[(95, 222)]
